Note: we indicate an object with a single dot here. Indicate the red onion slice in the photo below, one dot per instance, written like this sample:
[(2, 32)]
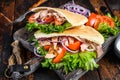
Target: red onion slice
[(71, 6), (92, 49), (36, 53), (62, 41), (69, 49)]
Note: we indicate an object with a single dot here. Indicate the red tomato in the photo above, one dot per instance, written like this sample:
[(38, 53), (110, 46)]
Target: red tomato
[(99, 19), (47, 47), (91, 19), (49, 19), (94, 20), (74, 46), (58, 58), (109, 20), (31, 19)]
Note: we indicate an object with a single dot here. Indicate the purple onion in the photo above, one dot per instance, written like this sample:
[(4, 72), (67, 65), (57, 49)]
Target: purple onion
[(36, 53), (76, 9)]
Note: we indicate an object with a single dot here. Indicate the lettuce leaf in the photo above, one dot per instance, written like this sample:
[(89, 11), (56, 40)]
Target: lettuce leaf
[(107, 31), (47, 28), (115, 18), (70, 62)]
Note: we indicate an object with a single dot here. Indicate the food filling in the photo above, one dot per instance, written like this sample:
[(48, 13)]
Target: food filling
[(47, 16), (67, 52), (47, 21), (58, 45)]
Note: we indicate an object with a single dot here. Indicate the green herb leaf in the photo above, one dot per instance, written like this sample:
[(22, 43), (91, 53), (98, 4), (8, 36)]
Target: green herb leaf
[(115, 18), (107, 31), (70, 62), (47, 28)]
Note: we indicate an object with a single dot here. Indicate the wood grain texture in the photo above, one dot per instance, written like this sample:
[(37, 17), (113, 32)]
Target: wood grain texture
[(97, 4), (6, 16), (114, 6), (37, 4), (5, 41), (90, 75), (117, 13), (7, 8), (110, 67)]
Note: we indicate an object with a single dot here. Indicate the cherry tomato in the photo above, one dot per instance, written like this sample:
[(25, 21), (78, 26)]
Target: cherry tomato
[(99, 20), (109, 21), (91, 19)]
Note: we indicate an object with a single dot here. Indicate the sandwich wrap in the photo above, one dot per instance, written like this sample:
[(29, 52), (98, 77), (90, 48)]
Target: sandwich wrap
[(50, 20), (74, 48)]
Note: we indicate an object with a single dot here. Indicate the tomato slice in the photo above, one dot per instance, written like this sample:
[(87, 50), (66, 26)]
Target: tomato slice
[(49, 19), (46, 47), (94, 20), (109, 20), (31, 19), (58, 58), (75, 46), (99, 20), (57, 22), (91, 19)]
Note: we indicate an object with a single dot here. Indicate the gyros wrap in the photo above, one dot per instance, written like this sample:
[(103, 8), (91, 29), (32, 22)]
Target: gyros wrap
[(50, 20), (74, 48)]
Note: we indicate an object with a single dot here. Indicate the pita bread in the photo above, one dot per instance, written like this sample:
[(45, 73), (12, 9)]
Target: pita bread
[(73, 18), (84, 32)]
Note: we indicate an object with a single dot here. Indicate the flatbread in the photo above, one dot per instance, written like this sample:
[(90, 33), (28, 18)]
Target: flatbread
[(73, 18), (84, 32)]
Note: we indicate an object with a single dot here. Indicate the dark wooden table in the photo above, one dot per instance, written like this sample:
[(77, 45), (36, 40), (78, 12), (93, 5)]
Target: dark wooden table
[(109, 68)]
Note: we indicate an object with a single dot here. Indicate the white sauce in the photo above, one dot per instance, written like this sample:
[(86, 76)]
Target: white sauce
[(118, 45)]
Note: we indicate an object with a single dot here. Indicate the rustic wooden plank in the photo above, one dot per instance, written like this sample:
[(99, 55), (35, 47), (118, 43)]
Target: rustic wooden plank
[(3, 21), (110, 67), (5, 31), (0, 41), (7, 15), (7, 8), (114, 6), (91, 75), (4, 28), (21, 6), (5, 41), (37, 4), (117, 13), (97, 5), (54, 3)]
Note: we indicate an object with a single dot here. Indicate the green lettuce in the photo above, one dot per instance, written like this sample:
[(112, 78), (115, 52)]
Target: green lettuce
[(115, 18), (70, 62), (107, 31), (47, 28)]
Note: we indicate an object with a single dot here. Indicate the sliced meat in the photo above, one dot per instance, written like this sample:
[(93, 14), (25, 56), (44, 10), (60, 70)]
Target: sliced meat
[(99, 51)]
